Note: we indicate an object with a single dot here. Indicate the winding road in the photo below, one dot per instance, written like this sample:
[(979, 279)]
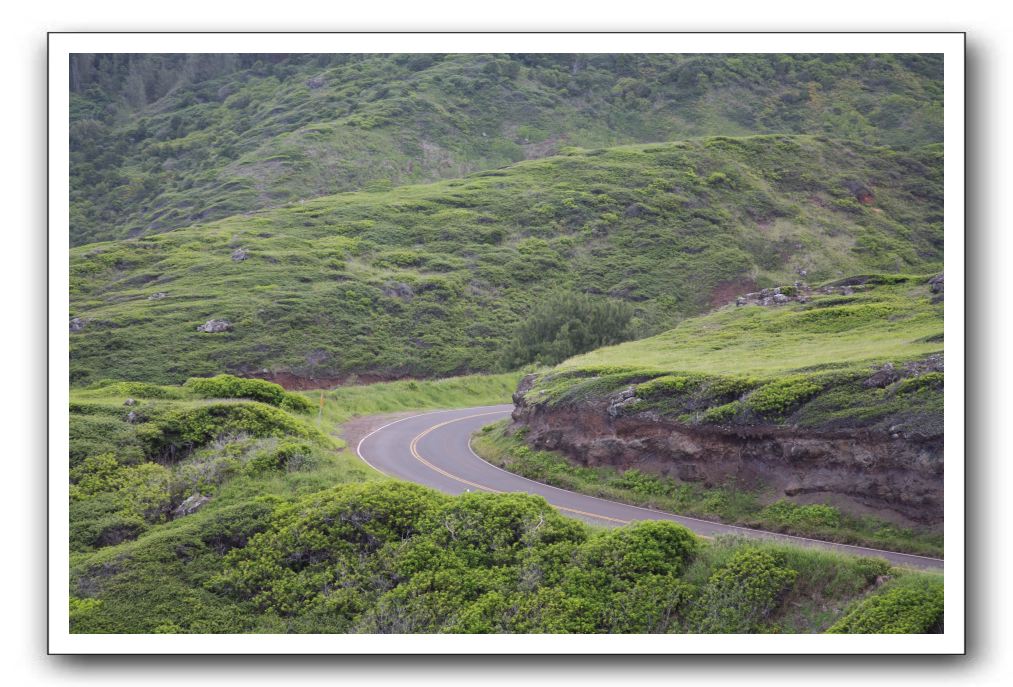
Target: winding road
[(434, 449)]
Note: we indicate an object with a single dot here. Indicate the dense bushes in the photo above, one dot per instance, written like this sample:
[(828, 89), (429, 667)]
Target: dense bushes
[(178, 431), (132, 465), (228, 386), (741, 596), (908, 605), (778, 397), (396, 557), (804, 518), (566, 324)]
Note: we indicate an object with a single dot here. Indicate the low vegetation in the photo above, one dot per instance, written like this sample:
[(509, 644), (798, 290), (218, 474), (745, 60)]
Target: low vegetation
[(345, 402), (462, 276), (159, 142), (730, 503), (396, 557), (208, 515), (140, 452)]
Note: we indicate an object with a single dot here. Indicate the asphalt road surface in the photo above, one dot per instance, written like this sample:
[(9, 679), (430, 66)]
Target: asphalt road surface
[(434, 449)]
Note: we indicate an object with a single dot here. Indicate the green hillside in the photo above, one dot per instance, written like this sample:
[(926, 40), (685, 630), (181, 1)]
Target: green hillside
[(432, 280), (164, 141), (808, 364)]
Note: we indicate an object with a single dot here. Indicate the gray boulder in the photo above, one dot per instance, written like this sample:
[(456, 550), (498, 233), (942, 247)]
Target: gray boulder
[(77, 324), (192, 504), (215, 326), (240, 254)]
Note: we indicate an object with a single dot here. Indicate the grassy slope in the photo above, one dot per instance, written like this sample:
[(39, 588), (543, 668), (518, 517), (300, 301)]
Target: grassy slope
[(795, 364), (391, 397), (799, 365), (431, 280), (163, 141)]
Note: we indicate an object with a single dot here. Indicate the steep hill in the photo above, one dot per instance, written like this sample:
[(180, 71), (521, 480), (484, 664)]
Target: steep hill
[(432, 280), (833, 394), (163, 141)]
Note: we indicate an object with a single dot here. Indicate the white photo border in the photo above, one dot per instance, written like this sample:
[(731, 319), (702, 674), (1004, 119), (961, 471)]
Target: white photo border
[(61, 45)]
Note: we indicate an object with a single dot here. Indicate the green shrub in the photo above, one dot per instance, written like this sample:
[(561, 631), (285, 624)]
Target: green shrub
[(908, 605), (287, 456), (667, 385), (642, 483), (778, 397), (741, 596), (229, 386), (929, 381), (181, 430), (619, 556), (721, 414), (809, 517), (294, 403), (566, 324)]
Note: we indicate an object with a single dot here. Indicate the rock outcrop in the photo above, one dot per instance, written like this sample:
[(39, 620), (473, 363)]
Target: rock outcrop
[(190, 505), (215, 326)]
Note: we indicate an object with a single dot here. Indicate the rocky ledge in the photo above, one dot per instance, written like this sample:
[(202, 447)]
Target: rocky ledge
[(860, 471)]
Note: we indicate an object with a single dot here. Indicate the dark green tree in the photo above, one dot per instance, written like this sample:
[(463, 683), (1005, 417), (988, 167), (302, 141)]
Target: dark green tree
[(567, 324)]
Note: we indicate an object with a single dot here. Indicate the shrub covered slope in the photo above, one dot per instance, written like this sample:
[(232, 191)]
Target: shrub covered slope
[(141, 454), (396, 557), (197, 509), (163, 141), (434, 280)]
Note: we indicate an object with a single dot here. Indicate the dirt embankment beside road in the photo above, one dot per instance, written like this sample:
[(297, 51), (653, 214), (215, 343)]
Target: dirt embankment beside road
[(860, 471)]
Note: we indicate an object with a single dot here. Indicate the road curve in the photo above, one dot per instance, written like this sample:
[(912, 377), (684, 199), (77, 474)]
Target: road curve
[(434, 449)]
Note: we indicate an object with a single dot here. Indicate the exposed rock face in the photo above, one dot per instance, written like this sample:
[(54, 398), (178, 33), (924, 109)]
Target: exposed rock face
[(192, 504), (215, 326), (936, 286), (892, 474), (240, 254), (77, 324)]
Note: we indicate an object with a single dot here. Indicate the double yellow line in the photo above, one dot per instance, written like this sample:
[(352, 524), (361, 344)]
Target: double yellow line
[(413, 447)]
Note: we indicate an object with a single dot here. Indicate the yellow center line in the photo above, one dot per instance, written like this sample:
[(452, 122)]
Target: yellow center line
[(413, 447)]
